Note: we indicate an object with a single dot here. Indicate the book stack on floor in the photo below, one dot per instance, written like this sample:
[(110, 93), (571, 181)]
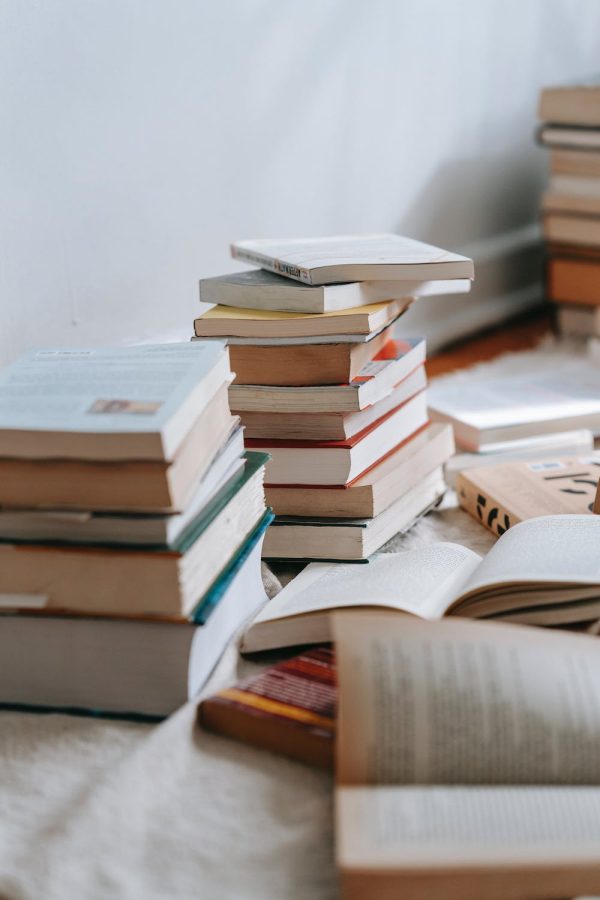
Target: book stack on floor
[(524, 416), (327, 389), (131, 523), (571, 205)]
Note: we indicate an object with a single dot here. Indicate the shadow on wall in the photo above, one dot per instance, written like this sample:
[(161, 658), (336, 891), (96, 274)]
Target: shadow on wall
[(453, 211)]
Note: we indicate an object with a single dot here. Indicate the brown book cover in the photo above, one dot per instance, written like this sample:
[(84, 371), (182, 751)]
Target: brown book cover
[(501, 496), (289, 708)]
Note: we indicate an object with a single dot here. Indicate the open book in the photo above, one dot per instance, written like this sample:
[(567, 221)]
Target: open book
[(468, 761), (544, 571)]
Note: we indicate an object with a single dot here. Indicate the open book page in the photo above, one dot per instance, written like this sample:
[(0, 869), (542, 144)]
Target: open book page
[(550, 549), (423, 582), (464, 702), (449, 826)]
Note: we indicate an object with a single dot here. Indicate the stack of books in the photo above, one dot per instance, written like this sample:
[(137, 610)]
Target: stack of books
[(571, 205), (131, 523), (327, 389), (533, 415)]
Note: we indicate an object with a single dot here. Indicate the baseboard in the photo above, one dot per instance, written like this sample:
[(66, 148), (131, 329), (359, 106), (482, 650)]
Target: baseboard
[(508, 281)]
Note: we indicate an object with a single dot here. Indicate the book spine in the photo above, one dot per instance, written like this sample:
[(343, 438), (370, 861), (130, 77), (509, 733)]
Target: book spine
[(484, 507), (272, 264)]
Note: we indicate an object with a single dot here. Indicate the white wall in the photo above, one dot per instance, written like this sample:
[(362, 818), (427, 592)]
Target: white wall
[(140, 136)]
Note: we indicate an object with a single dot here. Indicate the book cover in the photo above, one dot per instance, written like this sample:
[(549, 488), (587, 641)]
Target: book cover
[(289, 708), (366, 257), (501, 496)]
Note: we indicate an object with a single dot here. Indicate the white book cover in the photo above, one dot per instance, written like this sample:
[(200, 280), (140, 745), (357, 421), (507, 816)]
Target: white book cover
[(155, 389), (369, 257)]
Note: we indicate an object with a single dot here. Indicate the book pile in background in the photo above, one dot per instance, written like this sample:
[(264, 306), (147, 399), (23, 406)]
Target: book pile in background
[(131, 523), (571, 205), (324, 385)]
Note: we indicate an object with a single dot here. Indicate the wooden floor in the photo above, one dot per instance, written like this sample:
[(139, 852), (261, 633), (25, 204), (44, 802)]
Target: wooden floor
[(522, 333)]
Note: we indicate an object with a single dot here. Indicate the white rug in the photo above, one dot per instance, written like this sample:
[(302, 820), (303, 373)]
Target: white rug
[(97, 809)]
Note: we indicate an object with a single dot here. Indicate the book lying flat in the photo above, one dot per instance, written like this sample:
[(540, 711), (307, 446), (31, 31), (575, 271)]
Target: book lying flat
[(569, 138), (575, 162), (394, 362), (261, 289), (466, 760), (108, 404), (571, 105), (305, 364), (372, 493), (491, 411), (544, 571), (571, 228), (574, 281), (289, 708), (140, 667), (547, 446), (578, 321), (144, 529), (330, 426), (366, 257), (575, 202), (501, 496), (339, 462), (329, 538), (234, 323), (134, 485), (131, 580)]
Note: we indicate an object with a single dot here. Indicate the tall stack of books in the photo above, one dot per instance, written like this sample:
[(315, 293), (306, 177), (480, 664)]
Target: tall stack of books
[(571, 205), (131, 523), (327, 389)]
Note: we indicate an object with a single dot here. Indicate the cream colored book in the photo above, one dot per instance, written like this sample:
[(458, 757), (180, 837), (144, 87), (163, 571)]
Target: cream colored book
[(260, 289), (353, 257), (467, 760), (234, 323), (571, 104), (545, 571)]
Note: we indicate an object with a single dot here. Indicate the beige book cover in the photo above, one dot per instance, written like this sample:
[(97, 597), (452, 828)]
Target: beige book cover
[(501, 496)]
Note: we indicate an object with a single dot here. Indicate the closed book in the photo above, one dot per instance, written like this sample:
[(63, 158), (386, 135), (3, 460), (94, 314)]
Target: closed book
[(569, 138), (165, 582), (397, 359), (330, 426), (577, 104), (288, 709), (578, 321), (118, 404), (572, 228), (574, 281), (136, 485), (140, 667), (575, 203), (339, 462), (486, 413), (501, 496), (244, 324), (379, 488), (575, 162), (261, 289), (133, 528), (367, 257), (304, 364), (327, 538)]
